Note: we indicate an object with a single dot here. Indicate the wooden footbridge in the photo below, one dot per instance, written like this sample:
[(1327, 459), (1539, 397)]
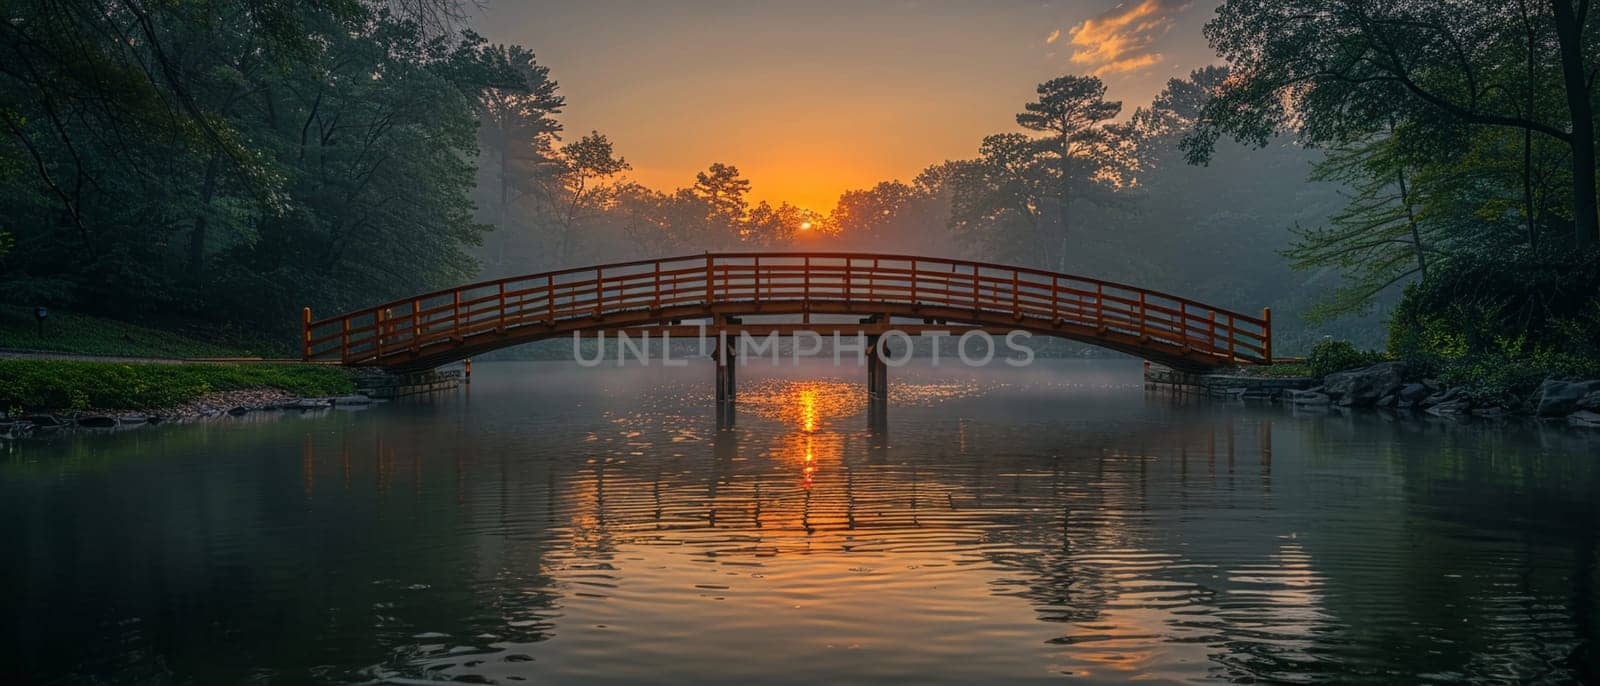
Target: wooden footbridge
[(900, 292)]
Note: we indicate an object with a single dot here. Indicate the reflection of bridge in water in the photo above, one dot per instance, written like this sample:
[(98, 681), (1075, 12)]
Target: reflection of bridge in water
[(761, 294)]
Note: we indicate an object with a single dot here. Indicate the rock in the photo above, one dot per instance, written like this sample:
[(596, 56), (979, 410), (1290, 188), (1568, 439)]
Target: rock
[(1454, 406), (1413, 393), (1556, 398), (1363, 387), (1388, 401), (1490, 411), (43, 421), (239, 410), (97, 421), (1590, 402), (1449, 395), (352, 400), (135, 420), (1585, 419), (1312, 397), (307, 404)]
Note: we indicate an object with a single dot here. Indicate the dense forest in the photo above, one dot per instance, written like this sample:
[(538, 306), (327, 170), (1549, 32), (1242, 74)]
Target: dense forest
[(1425, 164)]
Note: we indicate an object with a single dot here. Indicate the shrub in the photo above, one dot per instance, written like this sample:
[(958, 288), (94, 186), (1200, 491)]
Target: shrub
[(1332, 356)]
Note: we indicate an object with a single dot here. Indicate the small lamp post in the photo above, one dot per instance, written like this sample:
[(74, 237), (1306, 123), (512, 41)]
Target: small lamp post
[(39, 314)]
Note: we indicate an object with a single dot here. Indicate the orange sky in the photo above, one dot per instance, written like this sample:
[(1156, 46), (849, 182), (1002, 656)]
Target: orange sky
[(809, 99)]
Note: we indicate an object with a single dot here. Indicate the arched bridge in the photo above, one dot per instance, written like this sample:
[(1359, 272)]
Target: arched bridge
[(659, 295)]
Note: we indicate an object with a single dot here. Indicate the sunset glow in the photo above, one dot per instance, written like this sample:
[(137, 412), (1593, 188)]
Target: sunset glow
[(805, 122)]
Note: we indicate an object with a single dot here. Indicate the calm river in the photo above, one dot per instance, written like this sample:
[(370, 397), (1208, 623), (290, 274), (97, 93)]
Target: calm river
[(564, 525)]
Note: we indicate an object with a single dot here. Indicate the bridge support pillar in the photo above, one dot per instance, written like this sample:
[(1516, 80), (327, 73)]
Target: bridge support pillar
[(726, 386), (877, 383)]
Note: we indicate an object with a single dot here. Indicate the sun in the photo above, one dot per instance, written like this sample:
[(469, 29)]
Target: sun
[(805, 226)]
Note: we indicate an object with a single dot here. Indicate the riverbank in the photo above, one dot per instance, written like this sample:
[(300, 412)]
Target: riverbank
[(67, 392), (1397, 385)]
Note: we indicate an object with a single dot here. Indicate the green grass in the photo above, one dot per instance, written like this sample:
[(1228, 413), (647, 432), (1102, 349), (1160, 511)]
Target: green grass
[(1285, 370), (68, 332), (29, 385)]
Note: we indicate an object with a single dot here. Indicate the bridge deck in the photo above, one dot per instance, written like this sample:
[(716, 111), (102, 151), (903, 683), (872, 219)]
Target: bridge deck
[(443, 326)]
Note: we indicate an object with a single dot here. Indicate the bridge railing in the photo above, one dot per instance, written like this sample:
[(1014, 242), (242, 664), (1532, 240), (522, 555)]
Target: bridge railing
[(1030, 297)]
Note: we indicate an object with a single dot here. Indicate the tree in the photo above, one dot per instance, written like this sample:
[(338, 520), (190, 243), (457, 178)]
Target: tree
[(234, 161), (575, 192), (1377, 240), (518, 124), (1071, 112), (769, 226), (1341, 71), (995, 200), (723, 191)]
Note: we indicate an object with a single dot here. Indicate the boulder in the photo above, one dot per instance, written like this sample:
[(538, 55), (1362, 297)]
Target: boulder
[(135, 420), (1490, 411), (352, 400), (1456, 406), (1556, 398), (1584, 418), (1365, 386), (43, 421), (97, 421), (1448, 395), (307, 404), (1388, 401), (1590, 402), (1412, 393)]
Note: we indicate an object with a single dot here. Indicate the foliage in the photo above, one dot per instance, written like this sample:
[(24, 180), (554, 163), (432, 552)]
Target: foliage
[(1331, 356), (1377, 240), (233, 161), (63, 385), (1499, 324), (1505, 301), (1342, 71)]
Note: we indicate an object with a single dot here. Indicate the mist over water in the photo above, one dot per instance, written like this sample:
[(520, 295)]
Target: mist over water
[(557, 524)]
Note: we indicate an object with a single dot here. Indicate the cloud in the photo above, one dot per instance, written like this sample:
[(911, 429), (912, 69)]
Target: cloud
[(1119, 40), (1052, 37)]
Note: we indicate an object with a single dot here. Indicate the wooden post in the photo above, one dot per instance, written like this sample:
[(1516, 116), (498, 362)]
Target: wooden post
[(501, 325), (1055, 300), (1266, 334), (710, 273), (466, 370), (416, 320), (1016, 295), (379, 321), (344, 340), (805, 282), (455, 313), (1211, 330), (849, 264), (1232, 333), (913, 281), (1099, 304), (1142, 330), (305, 334), (655, 301), (599, 289)]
